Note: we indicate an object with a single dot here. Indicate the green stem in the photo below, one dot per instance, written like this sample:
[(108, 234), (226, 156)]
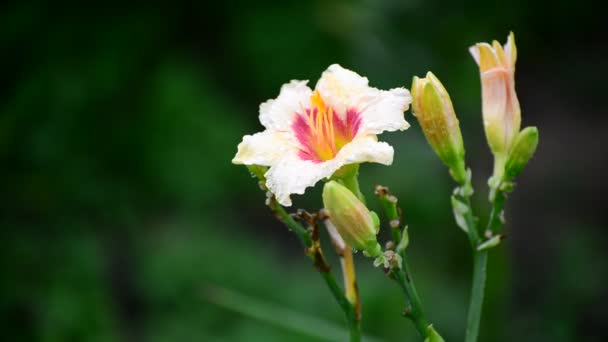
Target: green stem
[(479, 270), (480, 259), (476, 303), (495, 220), (471, 224), (349, 310), (315, 254), (351, 181), (389, 203), (294, 226), (355, 330), (406, 282), (403, 276)]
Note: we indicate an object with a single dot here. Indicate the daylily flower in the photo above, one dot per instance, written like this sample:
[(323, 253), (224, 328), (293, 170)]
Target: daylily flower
[(501, 111), (310, 134)]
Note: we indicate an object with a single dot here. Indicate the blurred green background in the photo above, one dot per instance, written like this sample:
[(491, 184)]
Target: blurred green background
[(121, 214)]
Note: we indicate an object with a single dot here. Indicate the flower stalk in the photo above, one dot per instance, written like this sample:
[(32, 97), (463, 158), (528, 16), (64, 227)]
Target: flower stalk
[(403, 276), (346, 262), (310, 240)]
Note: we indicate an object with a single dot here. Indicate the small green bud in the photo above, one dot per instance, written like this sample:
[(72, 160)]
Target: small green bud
[(352, 219), (523, 149), (460, 209), (433, 336), (389, 259), (491, 242), (405, 241), (433, 108)]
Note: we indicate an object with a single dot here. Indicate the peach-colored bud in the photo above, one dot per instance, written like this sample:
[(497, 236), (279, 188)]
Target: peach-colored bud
[(501, 112)]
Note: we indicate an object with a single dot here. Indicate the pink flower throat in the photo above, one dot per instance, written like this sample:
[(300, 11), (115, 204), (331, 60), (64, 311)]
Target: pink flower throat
[(321, 132)]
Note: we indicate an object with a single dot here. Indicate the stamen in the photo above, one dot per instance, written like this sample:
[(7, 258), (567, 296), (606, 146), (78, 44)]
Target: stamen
[(321, 132)]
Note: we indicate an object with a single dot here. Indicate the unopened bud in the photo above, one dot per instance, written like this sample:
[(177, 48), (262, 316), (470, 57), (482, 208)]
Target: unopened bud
[(500, 107), (352, 219), (491, 242), (523, 149), (433, 108), (433, 335)]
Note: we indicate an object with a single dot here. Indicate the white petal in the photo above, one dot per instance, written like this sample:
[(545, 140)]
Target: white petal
[(292, 175), (474, 51), (278, 113), (383, 110), (365, 149), (264, 148), (341, 88), (511, 51)]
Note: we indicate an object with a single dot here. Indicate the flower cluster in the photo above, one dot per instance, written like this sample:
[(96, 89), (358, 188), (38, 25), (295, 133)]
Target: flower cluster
[(326, 132)]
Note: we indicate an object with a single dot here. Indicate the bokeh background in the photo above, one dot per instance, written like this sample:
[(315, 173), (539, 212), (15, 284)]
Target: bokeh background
[(122, 218)]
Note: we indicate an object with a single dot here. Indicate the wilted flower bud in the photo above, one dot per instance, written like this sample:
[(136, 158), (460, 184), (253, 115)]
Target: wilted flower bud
[(433, 109), (351, 218), (523, 149), (501, 112)]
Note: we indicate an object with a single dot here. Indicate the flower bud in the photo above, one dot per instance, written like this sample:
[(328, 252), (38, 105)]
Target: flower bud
[(351, 218), (500, 107), (433, 108), (523, 149), (433, 335)]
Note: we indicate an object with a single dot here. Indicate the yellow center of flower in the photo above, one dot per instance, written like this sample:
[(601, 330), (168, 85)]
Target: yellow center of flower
[(321, 132)]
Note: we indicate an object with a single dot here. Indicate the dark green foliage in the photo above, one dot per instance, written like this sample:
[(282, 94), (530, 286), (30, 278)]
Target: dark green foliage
[(119, 205)]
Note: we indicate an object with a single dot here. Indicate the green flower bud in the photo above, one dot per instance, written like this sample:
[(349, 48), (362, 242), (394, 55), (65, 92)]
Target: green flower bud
[(491, 242), (433, 336), (352, 219), (523, 149), (433, 108)]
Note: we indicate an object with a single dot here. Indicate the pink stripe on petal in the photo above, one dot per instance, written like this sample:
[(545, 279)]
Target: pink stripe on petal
[(353, 121), (321, 132)]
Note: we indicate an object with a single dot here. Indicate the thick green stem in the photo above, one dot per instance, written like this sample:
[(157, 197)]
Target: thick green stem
[(480, 259), (355, 330), (479, 270), (351, 181), (479, 276), (477, 292)]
